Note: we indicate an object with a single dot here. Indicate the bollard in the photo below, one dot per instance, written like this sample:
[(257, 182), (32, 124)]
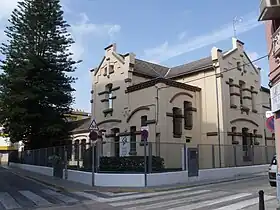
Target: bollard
[(261, 200)]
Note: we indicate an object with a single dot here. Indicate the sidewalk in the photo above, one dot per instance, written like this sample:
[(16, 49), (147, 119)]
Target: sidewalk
[(70, 186)]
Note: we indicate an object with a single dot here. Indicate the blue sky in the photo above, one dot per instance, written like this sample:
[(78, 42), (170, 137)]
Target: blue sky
[(162, 31)]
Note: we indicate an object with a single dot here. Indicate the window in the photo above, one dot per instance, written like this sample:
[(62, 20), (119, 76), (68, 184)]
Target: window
[(109, 96), (270, 103), (105, 71), (177, 121), (241, 85), (76, 150), (253, 99), (255, 131), (231, 91), (188, 116), (116, 142), (245, 139), (238, 63), (111, 69), (83, 148), (133, 139), (233, 137), (144, 120), (275, 25)]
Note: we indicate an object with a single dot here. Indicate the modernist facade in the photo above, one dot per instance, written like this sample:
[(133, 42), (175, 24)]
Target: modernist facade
[(215, 100)]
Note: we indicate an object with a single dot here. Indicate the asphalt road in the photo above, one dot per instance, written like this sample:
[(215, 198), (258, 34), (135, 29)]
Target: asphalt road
[(20, 193), (239, 194)]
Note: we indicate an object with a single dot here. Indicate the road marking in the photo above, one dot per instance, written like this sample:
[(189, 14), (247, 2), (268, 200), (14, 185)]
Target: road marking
[(211, 202), (143, 195), (156, 198), (59, 196), (177, 201), (38, 200), (244, 204), (118, 194), (8, 201), (87, 195)]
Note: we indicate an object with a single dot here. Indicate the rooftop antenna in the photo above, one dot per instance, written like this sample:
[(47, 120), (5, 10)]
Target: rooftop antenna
[(235, 21)]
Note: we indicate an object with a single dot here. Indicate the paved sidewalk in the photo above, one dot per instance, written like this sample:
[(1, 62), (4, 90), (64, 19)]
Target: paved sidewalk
[(269, 205), (70, 186)]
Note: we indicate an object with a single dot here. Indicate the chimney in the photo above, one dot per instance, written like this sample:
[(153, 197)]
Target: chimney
[(111, 48), (237, 44)]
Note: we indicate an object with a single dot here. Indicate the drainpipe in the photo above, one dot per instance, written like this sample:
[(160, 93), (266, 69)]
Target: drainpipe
[(218, 118)]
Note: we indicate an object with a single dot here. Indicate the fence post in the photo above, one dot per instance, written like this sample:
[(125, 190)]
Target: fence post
[(234, 155), (145, 161), (266, 155), (213, 156), (150, 153), (92, 164), (185, 157), (66, 163)]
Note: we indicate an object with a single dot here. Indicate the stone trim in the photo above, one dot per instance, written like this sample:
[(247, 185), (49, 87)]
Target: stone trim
[(212, 134), (247, 97), (109, 121), (178, 94), (234, 94), (127, 80), (140, 108), (246, 120), (169, 82)]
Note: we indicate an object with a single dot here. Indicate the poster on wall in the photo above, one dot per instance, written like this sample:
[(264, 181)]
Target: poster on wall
[(124, 145)]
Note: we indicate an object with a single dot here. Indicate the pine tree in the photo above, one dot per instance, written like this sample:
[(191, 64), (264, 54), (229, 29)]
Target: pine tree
[(35, 86)]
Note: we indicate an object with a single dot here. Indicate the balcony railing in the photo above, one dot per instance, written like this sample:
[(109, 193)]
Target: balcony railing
[(269, 10), (276, 43)]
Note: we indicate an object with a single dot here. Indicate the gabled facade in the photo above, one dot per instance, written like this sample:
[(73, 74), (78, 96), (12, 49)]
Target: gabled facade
[(215, 100)]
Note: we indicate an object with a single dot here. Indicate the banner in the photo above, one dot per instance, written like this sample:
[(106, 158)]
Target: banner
[(124, 145)]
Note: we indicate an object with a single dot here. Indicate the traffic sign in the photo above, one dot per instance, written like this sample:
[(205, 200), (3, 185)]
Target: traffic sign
[(270, 123), (145, 132), (93, 135)]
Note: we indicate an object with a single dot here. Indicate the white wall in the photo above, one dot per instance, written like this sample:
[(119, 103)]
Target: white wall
[(119, 180), (156, 179)]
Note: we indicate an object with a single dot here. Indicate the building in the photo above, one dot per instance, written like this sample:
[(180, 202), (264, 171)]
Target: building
[(212, 103)]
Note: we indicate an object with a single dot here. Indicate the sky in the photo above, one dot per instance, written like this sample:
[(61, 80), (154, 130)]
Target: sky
[(166, 32)]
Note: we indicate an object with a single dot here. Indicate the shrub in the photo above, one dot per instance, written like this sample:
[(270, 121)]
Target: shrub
[(123, 164)]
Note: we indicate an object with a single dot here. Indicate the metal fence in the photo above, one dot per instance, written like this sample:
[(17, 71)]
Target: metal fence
[(140, 157)]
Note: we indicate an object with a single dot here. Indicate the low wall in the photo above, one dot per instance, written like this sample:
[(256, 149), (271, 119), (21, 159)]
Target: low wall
[(119, 180), (37, 169), (155, 179), (170, 178)]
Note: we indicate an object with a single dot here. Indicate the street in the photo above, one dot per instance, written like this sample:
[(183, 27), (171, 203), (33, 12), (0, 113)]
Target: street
[(240, 194), (19, 193)]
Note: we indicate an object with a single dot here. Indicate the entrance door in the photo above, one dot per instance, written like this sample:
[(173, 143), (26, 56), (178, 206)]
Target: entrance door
[(193, 161)]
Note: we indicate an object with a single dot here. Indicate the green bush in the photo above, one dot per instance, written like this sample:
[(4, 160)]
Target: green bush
[(123, 164), (129, 164)]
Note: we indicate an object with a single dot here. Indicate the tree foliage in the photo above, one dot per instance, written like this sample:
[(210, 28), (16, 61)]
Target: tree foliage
[(35, 86)]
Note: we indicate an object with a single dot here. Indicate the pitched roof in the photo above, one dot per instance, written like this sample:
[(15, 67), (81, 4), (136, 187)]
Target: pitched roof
[(156, 70), (150, 69), (191, 67), (80, 125)]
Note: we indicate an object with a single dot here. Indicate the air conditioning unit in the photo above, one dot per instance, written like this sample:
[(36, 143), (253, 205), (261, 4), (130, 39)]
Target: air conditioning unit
[(269, 10)]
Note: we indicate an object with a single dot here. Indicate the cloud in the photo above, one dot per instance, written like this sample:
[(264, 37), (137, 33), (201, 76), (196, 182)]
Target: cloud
[(6, 8), (166, 51), (83, 28), (182, 35)]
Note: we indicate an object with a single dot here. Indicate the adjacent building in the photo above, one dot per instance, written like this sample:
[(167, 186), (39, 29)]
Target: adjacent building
[(270, 15), (212, 103)]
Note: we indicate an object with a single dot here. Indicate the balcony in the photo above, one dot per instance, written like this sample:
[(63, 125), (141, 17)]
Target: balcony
[(269, 10), (276, 43)]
